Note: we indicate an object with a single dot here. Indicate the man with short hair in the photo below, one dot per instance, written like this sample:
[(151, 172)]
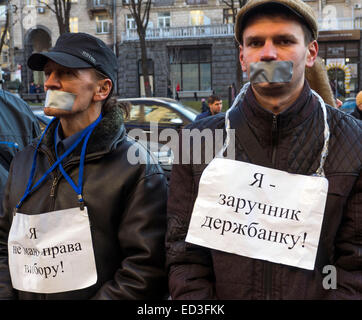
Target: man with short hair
[(215, 106), (80, 221), (281, 220)]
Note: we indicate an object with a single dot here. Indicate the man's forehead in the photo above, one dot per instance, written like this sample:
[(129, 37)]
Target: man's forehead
[(51, 65), (281, 20), (283, 27)]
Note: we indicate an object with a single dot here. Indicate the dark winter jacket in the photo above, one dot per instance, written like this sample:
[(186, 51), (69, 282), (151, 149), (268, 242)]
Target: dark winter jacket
[(293, 142), (203, 115), (126, 206), (18, 127), (357, 113)]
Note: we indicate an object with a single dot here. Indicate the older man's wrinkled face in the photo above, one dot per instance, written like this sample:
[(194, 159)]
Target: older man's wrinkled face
[(277, 39), (80, 82)]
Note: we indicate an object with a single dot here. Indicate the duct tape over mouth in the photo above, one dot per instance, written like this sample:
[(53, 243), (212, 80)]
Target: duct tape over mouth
[(59, 100), (271, 71)]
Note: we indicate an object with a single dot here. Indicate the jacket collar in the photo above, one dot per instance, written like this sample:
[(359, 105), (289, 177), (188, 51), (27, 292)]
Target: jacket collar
[(290, 118), (103, 137)]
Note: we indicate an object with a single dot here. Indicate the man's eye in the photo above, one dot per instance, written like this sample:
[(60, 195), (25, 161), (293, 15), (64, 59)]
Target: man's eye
[(66, 72), (285, 42), (255, 44)]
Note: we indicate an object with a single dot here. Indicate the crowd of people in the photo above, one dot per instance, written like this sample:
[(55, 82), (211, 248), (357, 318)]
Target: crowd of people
[(277, 204)]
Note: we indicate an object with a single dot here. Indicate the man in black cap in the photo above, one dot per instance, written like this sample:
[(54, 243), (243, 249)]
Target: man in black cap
[(80, 220), (281, 220)]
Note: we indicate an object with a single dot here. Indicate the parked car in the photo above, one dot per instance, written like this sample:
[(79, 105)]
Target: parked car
[(348, 105), (167, 113)]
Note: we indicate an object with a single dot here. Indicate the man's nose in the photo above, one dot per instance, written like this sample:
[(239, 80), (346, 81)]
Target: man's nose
[(268, 52), (52, 81)]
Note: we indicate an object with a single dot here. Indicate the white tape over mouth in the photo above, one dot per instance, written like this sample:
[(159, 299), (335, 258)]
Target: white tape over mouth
[(59, 100), (271, 71)]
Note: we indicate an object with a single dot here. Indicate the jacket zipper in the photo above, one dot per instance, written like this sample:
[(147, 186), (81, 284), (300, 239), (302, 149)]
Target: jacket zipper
[(274, 138), (43, 296), (52, 192), (267, 265)]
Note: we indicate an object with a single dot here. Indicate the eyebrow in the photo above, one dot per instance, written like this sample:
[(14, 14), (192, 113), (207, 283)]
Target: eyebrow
[(288, 36), (50, 68)]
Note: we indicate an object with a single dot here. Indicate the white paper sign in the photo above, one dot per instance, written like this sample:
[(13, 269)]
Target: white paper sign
[(259, 212), (51, 252)]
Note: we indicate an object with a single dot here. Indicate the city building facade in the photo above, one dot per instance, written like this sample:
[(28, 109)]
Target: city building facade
[(191, 49)]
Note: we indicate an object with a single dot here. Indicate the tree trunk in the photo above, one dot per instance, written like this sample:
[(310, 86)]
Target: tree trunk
[(146, 79), (6, 27)]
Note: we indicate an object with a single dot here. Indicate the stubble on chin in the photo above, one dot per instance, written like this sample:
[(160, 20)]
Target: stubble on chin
[(271, 89), (55, 112)]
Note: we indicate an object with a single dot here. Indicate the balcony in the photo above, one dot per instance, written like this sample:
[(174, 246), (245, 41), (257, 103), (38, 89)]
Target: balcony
[(99, 7), (340, 24), (225, 30), (196, 2), (216, 31)]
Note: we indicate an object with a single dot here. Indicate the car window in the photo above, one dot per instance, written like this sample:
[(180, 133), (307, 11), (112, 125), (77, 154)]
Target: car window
[(152, 113)]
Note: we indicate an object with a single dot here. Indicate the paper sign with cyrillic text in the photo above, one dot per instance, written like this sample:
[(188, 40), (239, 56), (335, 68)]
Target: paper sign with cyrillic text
[(258, 212), (51, 252)]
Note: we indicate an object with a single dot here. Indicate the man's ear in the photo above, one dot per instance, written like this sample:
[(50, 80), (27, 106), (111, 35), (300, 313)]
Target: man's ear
[(241, 56), (103, 89), (312, 53)]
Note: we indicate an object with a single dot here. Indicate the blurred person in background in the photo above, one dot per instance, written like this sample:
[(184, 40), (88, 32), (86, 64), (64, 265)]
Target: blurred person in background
[(215, 105)]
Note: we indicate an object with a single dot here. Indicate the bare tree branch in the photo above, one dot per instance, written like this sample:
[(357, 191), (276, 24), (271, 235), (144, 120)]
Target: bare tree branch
[(140, 12), (61, 10)]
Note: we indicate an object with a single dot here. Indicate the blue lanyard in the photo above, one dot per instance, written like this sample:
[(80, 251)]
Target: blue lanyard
[(78, 189), (10, 144)]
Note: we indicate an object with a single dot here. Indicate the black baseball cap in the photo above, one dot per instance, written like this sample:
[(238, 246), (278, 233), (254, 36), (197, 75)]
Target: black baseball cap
[(78, 51)]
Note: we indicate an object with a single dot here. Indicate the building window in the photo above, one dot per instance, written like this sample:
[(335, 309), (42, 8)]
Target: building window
[(130, 22), (102, 24), (190, 68), (128, 1), (163, 3), (197, 17), (31, 2), (73, 24), (228, 16), (99, 3), (342, 61), (196, 2), (358, 23), (4, 57), (164, 20)]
